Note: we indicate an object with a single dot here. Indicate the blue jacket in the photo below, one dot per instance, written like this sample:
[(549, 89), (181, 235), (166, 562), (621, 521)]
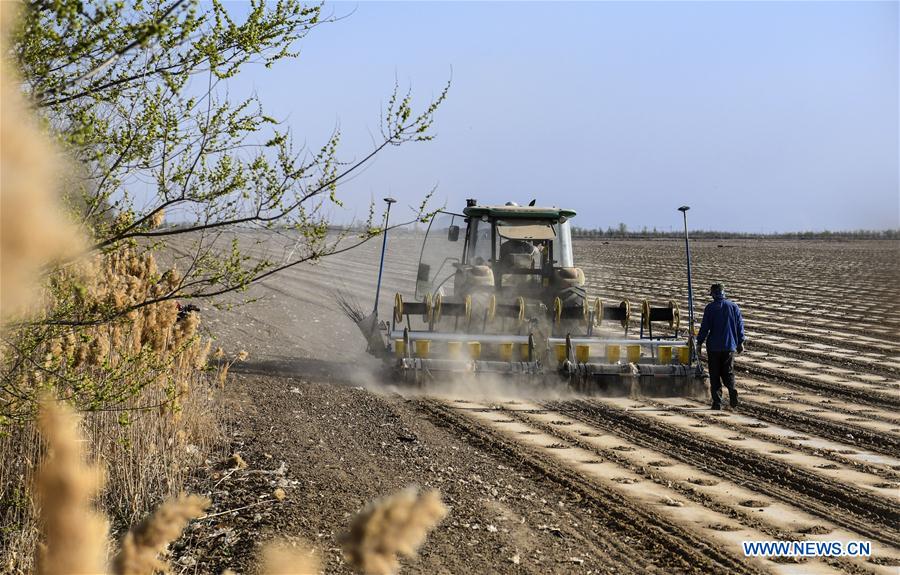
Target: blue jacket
[(722, 327)]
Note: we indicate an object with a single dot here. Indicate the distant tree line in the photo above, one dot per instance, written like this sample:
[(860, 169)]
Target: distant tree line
[(622, 231)]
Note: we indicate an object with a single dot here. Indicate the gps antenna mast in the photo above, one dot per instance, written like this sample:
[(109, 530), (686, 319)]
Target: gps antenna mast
[(687, 249), (387, 216)]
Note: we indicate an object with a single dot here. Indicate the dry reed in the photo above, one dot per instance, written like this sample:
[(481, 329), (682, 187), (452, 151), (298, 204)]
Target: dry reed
[(148, 365), (284, 559), (149, 358), (34, 230), (142, 545), (165, 359), (396, 525), (74, 535)]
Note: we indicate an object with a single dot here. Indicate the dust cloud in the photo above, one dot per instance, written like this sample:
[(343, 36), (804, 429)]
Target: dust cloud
[(469, 386)]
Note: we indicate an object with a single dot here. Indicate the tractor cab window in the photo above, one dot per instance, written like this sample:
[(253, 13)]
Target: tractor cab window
[(562, 246), (479, 243), (524, 244)]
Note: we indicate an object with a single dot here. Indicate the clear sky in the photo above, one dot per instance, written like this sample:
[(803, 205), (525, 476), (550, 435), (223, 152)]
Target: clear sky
[(763, 116)]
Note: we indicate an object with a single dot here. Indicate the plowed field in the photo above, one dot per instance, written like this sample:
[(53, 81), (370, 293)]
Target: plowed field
[(553, 482)]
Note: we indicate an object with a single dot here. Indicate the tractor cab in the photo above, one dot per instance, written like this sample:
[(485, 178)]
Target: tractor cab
[(528, 250), (509, 251)]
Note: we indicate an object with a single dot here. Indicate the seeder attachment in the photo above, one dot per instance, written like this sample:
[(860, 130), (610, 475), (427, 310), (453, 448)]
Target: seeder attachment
[(503, 299)]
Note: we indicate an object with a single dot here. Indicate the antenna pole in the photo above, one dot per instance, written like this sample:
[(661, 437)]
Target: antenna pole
[(687, 250), (387, 219)]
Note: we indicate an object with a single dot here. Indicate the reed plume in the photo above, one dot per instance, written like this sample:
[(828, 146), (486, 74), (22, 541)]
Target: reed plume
[(284, 559), (74, 535), (34, 230), (142, 545), (396, 525)]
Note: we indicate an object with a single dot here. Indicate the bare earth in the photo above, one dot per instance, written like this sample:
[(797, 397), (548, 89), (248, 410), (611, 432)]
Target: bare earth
[(548, 482)]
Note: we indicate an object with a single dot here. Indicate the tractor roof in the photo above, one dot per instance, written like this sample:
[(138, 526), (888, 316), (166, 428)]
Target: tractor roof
[(518, 212)]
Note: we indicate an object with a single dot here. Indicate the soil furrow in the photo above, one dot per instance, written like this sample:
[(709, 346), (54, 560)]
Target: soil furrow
[(761, 431), (844, 362), (871, 516), (755, 308), (688, 552), (790, 397), (870, 398), (691, 492), (843, 432)]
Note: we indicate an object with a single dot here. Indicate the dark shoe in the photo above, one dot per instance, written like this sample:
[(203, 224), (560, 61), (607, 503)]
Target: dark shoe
[(716, 407), (733, 399)]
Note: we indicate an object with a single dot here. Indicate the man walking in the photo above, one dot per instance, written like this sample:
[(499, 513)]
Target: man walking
[(722, 329)]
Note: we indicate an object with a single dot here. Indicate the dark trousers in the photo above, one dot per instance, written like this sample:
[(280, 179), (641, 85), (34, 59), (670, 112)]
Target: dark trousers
[(721, 370)]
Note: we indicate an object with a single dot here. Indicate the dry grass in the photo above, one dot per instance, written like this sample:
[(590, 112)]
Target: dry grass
[(146, 460), (396, 525), (33, 233), (74, 535)]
